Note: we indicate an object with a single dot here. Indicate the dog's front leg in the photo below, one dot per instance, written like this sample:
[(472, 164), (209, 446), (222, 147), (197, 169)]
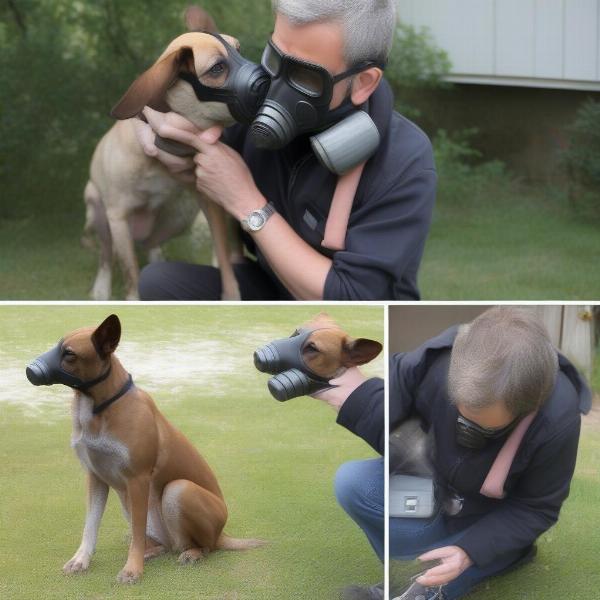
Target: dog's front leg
[(96, 501), (138, 489), (125, 251), (217, 221)]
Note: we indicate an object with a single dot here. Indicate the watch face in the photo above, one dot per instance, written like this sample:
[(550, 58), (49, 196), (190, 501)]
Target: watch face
[(256, 221)]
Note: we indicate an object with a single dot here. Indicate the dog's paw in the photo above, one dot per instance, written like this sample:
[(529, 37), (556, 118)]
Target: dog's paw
[(189, 556), (129, 576), (153, 552), (78, 564)]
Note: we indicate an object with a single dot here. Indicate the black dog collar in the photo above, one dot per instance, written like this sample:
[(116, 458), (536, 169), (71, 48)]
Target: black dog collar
[(128, 385)]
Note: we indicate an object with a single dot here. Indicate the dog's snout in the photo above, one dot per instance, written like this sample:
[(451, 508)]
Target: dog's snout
[(37, 373)]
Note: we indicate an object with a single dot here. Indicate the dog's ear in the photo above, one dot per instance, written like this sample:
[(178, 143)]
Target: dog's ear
[(107, 335), (197, 19), (359, 352), (150, 88)]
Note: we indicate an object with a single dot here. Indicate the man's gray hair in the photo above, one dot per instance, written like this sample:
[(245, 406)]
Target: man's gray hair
[(368, 25), (505, 355)]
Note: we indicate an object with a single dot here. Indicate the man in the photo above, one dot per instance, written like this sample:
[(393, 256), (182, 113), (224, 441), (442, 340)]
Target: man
[(349, 41), (472, 386)]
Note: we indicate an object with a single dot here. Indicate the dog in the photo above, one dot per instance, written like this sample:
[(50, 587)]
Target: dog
[(168, 492), (130, 196)]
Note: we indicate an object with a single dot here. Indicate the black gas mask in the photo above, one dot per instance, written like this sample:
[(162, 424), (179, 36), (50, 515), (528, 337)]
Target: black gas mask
[(46, 370), (298, 99), (244, 90), (471, 435), (284, 360)]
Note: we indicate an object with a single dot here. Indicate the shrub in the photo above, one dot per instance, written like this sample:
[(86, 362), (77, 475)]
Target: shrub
[(462, 175), (416, 63), (582, 160)]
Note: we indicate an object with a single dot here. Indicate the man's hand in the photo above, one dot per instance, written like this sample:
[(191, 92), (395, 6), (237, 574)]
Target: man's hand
[(347, 383), (173, 126), (222, 175), (454, 561), (220, 172)]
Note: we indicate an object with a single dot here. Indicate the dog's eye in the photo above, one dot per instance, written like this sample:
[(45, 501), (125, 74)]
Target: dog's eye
[(217, 69), (69, 356), (310, 346)]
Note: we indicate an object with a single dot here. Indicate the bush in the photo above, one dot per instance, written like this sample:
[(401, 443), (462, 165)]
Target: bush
[(416, 63), (582, 160), (461, 172)]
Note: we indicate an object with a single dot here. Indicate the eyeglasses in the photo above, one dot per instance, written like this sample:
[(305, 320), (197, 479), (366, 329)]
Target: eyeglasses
[(308, 78)]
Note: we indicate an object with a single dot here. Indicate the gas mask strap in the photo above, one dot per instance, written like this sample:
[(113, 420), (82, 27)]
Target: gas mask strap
[(341, 207), (86, 385), (104, 405), (493, 486)]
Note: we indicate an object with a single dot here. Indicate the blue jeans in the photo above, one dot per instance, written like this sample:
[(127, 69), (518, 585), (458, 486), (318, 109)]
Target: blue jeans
[(359, 488), (411, 537)]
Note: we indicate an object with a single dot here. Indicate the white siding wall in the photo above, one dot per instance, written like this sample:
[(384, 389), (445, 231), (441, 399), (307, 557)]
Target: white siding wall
[(539, 43)]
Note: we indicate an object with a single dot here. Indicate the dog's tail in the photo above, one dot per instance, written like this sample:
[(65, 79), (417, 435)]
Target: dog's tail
[(229, 543)]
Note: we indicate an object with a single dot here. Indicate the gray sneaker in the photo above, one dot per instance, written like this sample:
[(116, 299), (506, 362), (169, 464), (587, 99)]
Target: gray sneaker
[(359, 592)]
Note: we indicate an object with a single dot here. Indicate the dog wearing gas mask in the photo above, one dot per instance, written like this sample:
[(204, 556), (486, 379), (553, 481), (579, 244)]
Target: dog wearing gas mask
[(168, 492), (130, 196), (311, 357)]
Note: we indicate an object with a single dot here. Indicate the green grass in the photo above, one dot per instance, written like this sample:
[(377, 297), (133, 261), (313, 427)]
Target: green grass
[(499, 244), (275, 462), (510, 244)]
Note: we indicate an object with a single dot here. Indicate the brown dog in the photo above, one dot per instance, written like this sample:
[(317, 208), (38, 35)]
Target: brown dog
[(169, 494), (130, 196)]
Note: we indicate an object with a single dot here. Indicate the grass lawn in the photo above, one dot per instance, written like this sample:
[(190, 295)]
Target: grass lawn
[(275, 462), (521, 246)]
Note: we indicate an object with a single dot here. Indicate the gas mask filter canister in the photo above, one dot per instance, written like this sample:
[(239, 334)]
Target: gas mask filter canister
[(291, 377)]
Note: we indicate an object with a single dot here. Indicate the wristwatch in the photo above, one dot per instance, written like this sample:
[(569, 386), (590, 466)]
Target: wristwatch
[(257, 219)]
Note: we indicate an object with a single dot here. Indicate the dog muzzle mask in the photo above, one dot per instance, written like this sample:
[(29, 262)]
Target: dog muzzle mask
[(244, 90), (46, 370), (291, 376)]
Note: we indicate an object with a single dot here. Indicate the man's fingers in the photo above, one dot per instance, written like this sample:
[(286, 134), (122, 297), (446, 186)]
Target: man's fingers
[(432, 581), (145, 136), (435, 554), (170, 118), (212, 135), (174, 129), (439, 571)]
